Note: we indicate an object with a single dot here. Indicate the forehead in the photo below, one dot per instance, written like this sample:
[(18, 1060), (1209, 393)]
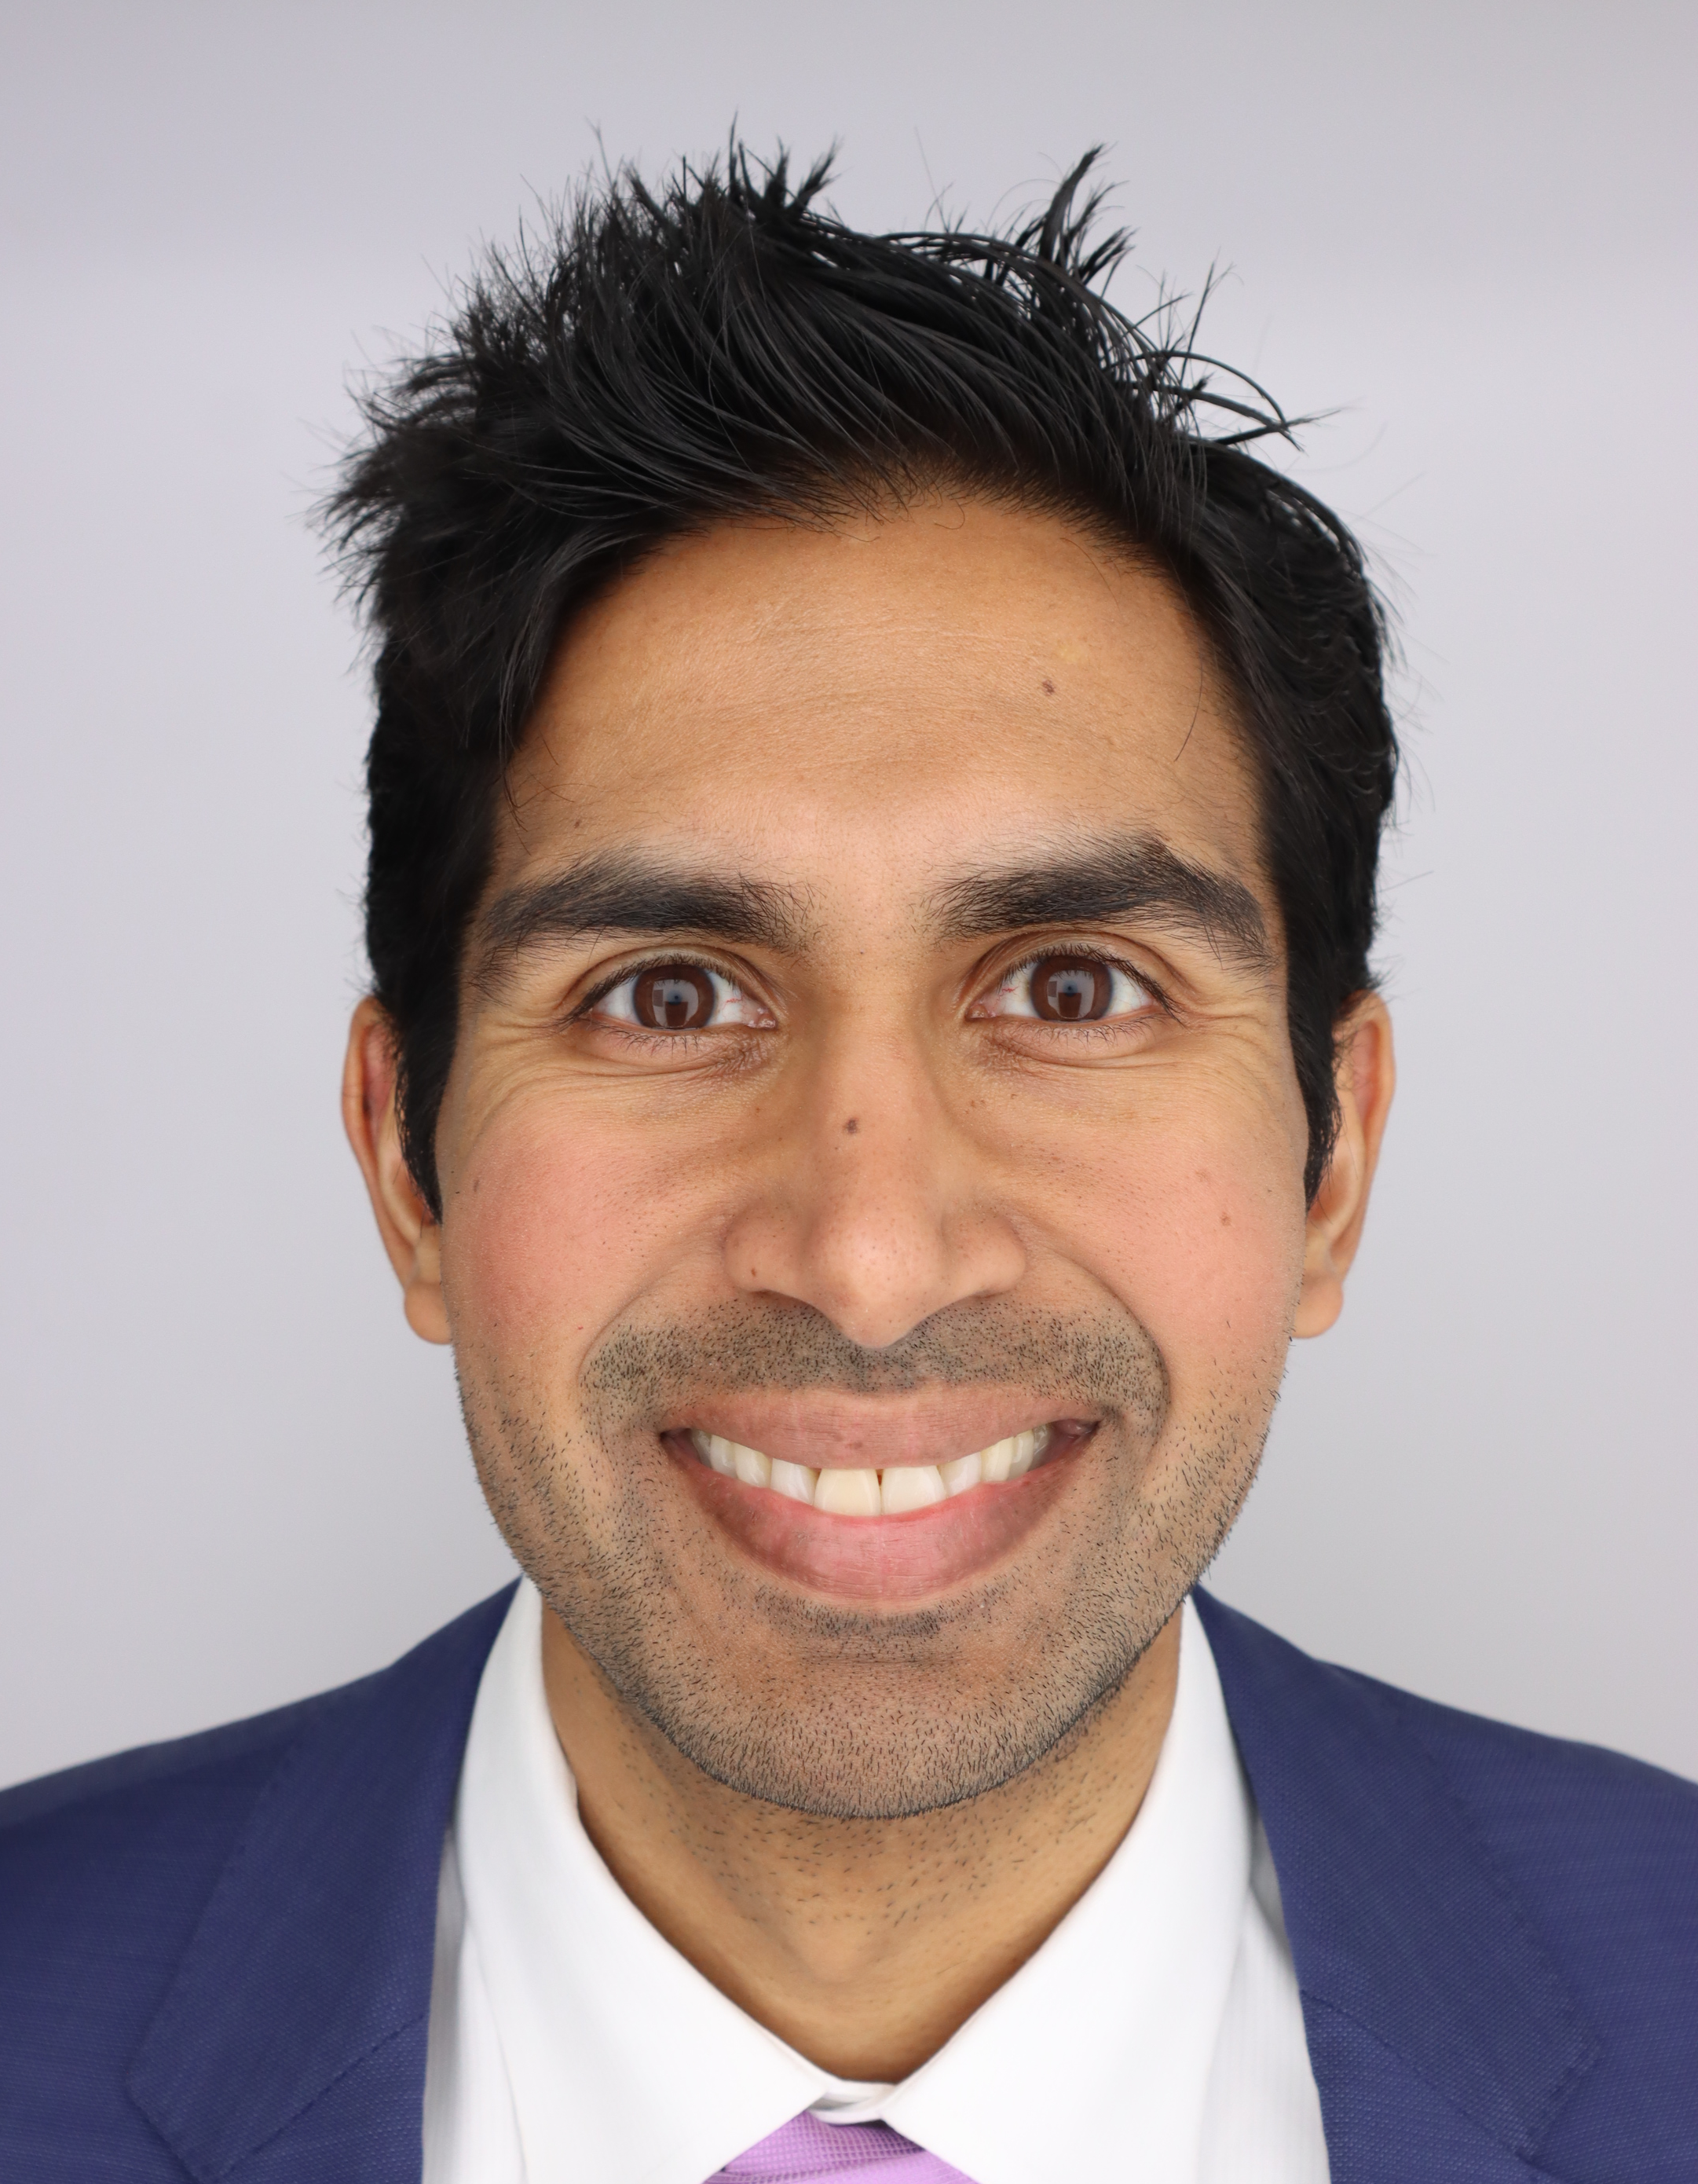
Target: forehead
[(892, 698)]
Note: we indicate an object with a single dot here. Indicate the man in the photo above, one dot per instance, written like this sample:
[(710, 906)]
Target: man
[(872, 1057)]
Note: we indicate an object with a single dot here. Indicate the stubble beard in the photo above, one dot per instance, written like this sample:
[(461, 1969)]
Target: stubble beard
[(829, 1708)]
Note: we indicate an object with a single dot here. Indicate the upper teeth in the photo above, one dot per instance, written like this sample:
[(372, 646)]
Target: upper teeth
[(880, 1493)]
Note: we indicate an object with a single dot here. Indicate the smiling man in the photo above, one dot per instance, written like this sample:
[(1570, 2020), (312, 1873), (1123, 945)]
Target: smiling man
[(872, 1059)]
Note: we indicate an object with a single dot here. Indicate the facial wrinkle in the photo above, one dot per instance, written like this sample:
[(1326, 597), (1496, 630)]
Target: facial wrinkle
[(833, 1710)]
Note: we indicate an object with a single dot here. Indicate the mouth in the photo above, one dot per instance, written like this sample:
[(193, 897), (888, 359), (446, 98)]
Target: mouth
[(891, 1490), (886, 1535)]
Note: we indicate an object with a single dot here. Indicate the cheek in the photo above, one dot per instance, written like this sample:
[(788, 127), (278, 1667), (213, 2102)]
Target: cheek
[(1198, 1233), (550, 1232)]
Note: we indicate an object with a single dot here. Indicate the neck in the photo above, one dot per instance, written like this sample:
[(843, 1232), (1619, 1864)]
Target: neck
[(863, 1944)]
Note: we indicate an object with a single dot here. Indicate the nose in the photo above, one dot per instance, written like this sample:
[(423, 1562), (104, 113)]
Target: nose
[(873, 1204)]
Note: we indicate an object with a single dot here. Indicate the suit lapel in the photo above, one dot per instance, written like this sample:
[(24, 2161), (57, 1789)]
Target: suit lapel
[(291, 2042), (1436, 2021)]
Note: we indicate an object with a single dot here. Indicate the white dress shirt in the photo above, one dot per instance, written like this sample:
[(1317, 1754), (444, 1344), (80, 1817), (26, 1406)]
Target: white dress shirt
[(1155, 2036)]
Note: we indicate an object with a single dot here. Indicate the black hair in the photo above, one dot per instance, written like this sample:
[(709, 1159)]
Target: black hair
[(722, 347)]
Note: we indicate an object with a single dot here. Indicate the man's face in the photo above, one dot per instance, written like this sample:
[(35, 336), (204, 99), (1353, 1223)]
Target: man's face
[(873, 1051)]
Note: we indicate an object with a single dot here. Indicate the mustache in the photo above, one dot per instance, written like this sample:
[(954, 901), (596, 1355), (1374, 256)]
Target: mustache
[(1102, 1362)]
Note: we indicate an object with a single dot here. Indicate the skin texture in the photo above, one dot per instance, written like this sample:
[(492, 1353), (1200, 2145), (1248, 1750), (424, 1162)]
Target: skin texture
[(856, 1768)]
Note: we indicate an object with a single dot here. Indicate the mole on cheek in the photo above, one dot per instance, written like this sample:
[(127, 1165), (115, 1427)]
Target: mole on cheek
[(850, 1126)]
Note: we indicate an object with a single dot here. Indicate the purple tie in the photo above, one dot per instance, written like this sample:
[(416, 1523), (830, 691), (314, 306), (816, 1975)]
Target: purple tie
[(805, 2151)]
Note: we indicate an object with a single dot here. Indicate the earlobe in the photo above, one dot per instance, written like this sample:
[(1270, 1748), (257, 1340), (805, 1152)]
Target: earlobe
[(1366, 1076), (422, 1298), (371, 1118)]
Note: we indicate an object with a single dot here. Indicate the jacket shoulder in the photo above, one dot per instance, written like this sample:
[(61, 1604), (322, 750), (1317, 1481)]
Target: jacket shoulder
[(1547, 1791), (1602, 1848), (106, 1873), (114, 1856), (1582, 1859), (1555, 1800), (1603, 1852), (186, 1761)]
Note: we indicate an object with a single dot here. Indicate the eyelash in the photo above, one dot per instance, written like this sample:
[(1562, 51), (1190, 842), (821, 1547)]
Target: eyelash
[(629, 972), (1098, 1026)]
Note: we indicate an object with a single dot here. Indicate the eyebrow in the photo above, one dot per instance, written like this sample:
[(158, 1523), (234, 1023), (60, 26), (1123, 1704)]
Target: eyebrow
[(627, 892), (1136, 876)]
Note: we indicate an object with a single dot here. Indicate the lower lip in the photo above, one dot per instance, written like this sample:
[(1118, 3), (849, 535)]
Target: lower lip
[(887, 1559)]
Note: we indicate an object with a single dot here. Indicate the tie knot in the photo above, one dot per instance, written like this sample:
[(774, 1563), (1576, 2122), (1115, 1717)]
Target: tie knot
[(807, 2151)]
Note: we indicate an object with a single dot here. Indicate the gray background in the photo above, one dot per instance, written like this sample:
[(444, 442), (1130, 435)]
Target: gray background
[(229, 1474)]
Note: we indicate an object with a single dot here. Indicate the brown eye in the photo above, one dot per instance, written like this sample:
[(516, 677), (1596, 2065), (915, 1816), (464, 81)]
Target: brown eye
[(1071, 988), (672, 997)]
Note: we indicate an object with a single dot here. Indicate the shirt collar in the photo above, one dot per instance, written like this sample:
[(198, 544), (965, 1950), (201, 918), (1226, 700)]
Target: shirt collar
[(624, 2060)]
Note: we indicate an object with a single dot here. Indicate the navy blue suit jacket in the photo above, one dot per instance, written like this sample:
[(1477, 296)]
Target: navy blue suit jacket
[(215, 1954)]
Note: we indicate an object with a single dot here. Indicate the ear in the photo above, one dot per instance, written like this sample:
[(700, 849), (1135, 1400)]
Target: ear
[(373, 1122), (1366, 1074)]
